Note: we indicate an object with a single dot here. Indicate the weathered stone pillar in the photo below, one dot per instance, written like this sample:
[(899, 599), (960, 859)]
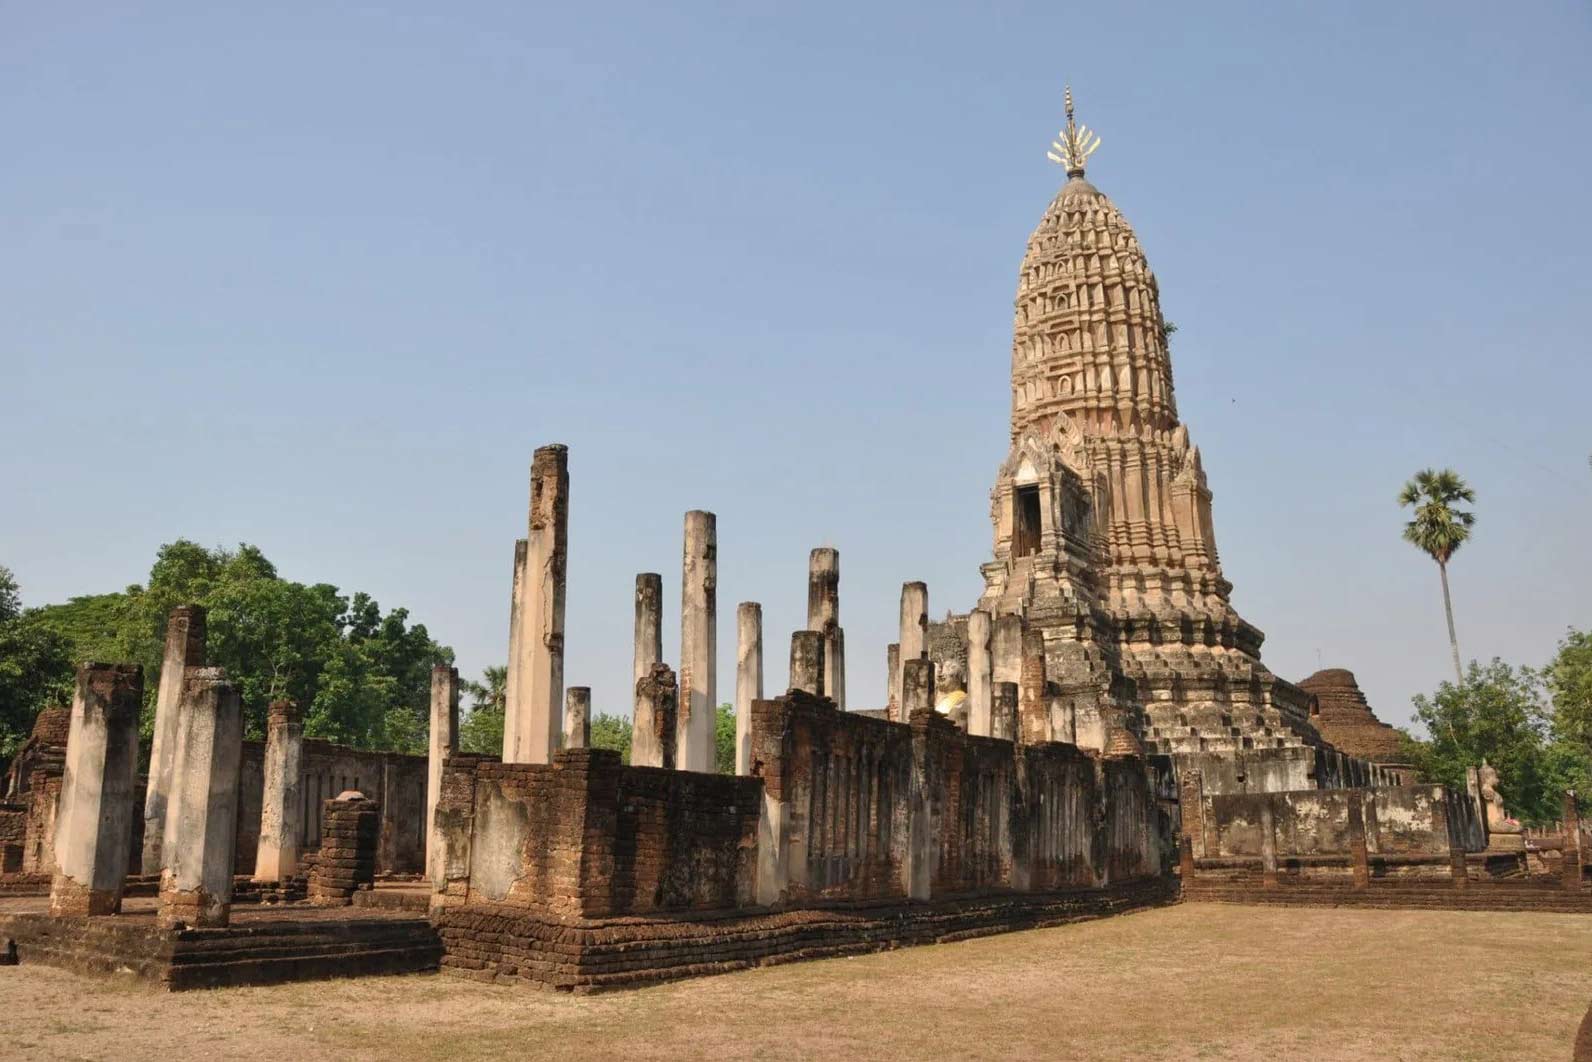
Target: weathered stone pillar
[(444, 743), (748, 678), (807, 662), (513, 697), (1185, 859), (914, 632), (577, 717), (699, 576), (1006, 649), (1003, 711), (185, 647), (202, 817), (653, 733), (536, 671), (1268, 846), (980, 676), (917, 687), (892, 664), (649, 623), (94, 824), (282, 804), (1358, 857), (823, 615)]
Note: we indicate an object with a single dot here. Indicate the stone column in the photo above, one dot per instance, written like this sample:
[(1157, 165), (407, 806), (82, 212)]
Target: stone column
[(807, 662), (94, 824), (513, 698), (980, 677), (699, 576), (577, 717), (202, 817), (282, 805), (1003, 711), (748, 678), (917, 687), (1006, 649), (444, 743), (914, 632), (649, 624), (823, 615), (185, 647), (892, 664), (537, 669), (653, 733)]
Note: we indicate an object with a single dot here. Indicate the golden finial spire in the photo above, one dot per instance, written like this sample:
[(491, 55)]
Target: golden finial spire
[(1075, 144)]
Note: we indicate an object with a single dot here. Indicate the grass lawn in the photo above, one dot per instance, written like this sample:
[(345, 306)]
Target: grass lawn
[(1192, 981)]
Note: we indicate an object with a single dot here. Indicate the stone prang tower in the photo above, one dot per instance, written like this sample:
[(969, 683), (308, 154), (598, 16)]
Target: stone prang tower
[(1103, 534)]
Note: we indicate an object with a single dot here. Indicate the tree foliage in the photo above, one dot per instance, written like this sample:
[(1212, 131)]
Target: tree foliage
[(362, 677), (1438, 527), (35, 667), (1505, 715), (481, 730)]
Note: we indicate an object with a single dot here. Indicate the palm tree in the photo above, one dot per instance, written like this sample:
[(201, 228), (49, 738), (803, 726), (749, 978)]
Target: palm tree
[(1439, 529)]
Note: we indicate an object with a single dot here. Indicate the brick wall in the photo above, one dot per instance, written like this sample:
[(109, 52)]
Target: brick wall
[(842, 808), (394, 780)]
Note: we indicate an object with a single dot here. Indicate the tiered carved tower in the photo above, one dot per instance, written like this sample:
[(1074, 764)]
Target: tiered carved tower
[(1102, 514)]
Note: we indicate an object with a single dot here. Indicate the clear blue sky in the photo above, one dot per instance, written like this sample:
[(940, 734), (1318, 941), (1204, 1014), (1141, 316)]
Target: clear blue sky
[(320, 277)]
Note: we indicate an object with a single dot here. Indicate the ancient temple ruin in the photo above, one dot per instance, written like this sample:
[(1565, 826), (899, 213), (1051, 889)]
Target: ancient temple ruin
[(1096, 734)]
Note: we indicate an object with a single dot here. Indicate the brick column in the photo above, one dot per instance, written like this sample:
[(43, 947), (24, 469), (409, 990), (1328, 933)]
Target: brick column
[(202, 817), (807, 662), (1033, 706), (533, 723), (1003, 711), (892, 666), (282, 803), (914, 643), (917, 687), (980, 677), (653, 733), (94, 823), (748, 678), (444, 742), (823, 616), (649, 625), (185, 648), (350, 833), (577, 717), (699, 623)]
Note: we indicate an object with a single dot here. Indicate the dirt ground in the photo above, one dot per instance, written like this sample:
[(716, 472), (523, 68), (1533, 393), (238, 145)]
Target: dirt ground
[(1201, 981)]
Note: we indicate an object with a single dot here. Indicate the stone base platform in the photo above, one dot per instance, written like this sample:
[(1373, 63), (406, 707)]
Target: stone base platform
[(514, 944), (1477, 896), (263, 945)]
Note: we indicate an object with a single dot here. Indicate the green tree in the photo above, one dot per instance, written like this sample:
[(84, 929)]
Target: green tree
[(481, 732), (1439, 529), (1497, 713), (724, 739), (362, 677), (35, 667), (1569, 680), (612, 732)]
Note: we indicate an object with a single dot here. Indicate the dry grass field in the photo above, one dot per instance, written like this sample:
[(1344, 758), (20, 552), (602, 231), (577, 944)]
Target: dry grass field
[(1198, 981)]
